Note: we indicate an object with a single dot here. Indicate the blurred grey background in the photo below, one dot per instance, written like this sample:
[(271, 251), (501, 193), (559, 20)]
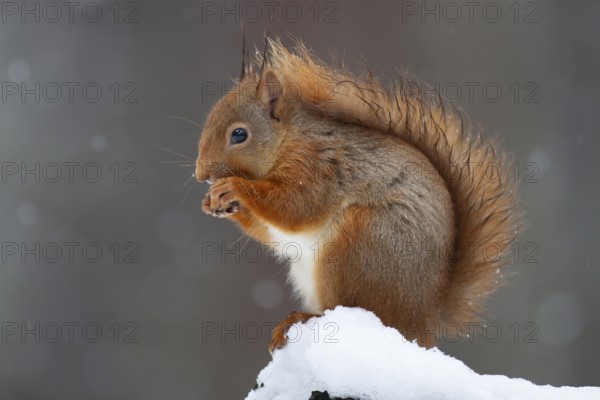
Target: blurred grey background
[(114, 285)]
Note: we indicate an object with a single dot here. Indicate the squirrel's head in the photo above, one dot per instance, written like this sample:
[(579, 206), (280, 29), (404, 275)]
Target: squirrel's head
[(243, 132)]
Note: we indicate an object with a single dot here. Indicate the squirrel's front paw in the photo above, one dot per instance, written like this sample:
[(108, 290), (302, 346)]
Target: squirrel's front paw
[(222, 199)]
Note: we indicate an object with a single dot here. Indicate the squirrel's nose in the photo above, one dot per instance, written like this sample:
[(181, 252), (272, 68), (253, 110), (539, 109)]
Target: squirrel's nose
[(201, 172)]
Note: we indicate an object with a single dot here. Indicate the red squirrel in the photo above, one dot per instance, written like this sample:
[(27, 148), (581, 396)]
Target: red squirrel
[(390, 185)]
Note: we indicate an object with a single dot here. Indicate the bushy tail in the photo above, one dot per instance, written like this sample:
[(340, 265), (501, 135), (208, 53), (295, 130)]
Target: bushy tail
[(484, 197)]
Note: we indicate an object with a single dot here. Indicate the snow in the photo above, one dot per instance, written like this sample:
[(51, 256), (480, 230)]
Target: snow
[(349, 353)]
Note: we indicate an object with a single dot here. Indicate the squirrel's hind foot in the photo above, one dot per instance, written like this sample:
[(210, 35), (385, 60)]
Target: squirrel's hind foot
[(279, 338)]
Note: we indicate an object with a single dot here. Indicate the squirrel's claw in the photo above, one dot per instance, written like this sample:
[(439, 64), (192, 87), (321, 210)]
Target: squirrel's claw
[(234, 207)]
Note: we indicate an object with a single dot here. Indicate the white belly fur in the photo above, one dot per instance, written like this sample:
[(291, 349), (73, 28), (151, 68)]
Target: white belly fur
[(300, 250)]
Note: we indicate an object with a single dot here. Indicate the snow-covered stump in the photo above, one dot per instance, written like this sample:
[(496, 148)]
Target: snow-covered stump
[(349, 354)]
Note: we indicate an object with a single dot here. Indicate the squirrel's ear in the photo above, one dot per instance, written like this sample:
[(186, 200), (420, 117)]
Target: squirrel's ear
[(271, 92)]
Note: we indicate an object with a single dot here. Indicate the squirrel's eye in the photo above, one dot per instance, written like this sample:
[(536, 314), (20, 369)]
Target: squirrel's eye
[(238, 135)]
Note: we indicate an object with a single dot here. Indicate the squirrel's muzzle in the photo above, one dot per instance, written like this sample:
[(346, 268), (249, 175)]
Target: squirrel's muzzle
[(210, 171)]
